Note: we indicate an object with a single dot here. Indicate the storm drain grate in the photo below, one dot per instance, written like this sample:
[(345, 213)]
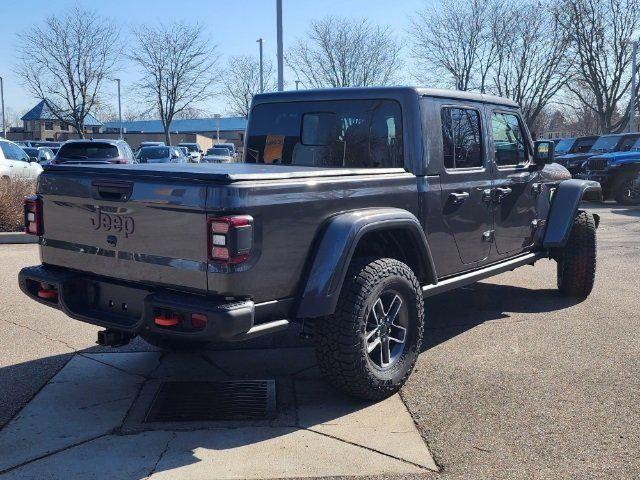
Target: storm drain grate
[(210, 401)]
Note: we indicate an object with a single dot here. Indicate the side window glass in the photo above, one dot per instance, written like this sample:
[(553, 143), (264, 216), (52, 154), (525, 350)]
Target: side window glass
[(461, 138), (508, 140)]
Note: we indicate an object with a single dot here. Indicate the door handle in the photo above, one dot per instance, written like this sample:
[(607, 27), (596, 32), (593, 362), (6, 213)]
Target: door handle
[(503, 191), (458, 197)]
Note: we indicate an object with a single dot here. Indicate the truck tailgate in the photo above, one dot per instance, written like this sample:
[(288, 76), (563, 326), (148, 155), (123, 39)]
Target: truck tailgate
[(146, 231)]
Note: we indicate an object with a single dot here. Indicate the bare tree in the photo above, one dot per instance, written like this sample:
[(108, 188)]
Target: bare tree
[(531, 64), (600, 32), (66, 61), (345, 53), (453, 42), (242, 81), (177, 62)]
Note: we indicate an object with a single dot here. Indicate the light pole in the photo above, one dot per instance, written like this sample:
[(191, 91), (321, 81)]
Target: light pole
[(261, 68), (4, 123), (119, 107), (217, 117), (632, 110), (297, 84), (280, 61)]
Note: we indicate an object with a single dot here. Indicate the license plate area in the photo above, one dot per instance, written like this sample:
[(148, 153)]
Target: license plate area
[(110, 303)]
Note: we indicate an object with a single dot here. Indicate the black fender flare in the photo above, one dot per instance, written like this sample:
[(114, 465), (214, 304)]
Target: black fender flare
[(334, 250), (564, 207)]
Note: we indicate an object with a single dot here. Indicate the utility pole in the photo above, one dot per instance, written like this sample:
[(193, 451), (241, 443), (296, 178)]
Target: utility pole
[(119, 108), (261, 67), (297, 84), (632, 110), (4, 121), (280, 60)]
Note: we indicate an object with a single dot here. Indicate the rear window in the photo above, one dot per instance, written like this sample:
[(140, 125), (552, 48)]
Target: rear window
[(217, 151), (192, 147), (154, 155), (88, 151), (349, 133)]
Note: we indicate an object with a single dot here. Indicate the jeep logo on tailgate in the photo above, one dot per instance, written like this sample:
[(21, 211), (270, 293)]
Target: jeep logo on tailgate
[(111, 222)]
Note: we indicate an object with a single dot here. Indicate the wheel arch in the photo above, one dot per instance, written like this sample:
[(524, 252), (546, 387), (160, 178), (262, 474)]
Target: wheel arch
[(564, 207), (389, 232)]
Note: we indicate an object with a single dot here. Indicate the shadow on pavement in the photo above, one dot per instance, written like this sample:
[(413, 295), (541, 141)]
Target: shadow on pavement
[(455, 312)]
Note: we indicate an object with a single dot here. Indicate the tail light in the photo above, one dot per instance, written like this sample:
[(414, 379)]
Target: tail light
[(230, 238), (33, 215)]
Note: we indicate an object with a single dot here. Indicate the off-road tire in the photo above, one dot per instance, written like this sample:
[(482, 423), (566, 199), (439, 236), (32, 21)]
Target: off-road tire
[(172, 344), (340, 338), (621, 188), (576, 261)]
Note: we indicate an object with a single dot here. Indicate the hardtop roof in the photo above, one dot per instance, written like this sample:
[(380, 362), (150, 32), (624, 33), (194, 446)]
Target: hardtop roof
[(379, 92)]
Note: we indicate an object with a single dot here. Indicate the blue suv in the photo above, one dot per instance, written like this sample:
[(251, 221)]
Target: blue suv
[(574, 162), (618, 173)]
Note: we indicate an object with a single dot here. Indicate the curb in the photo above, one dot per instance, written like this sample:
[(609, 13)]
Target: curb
[(17, 237)]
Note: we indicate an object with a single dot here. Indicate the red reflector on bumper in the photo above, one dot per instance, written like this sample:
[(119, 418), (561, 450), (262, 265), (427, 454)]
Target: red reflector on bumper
[(47, 294), (165, 321)]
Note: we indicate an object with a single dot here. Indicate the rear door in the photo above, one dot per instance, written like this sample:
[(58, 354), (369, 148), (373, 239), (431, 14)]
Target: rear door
[(466, 181), (515, 178)]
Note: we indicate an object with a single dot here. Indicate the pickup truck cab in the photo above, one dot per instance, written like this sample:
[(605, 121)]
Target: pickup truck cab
[(350, 207), (618, 173)]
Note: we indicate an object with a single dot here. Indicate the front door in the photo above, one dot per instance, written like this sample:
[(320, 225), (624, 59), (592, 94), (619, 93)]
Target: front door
[(466, 182), (514, 188)]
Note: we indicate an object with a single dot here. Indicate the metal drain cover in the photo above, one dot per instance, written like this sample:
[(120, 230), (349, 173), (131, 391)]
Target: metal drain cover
[(209, 401)]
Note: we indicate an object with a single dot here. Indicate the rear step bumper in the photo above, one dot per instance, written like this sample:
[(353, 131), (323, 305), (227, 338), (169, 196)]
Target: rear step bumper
[(135, 310)]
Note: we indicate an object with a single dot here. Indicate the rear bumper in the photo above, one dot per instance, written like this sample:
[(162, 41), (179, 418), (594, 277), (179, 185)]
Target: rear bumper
[(134, 309)]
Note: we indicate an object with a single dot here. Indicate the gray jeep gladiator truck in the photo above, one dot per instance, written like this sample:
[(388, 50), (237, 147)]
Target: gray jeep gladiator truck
[(350, 207)]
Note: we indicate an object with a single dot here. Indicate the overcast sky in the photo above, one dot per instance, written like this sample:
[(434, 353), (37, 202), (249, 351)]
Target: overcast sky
[(234, 25)]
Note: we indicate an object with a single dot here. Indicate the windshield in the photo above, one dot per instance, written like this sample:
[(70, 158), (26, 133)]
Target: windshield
[(154, 155), (564, 145), (87, 151), (217, 151), (191, 147), (627, 143), (350, 133), (606, 144)]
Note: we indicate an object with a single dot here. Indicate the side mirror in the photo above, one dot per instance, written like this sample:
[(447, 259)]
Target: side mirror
[(543, 152), (33, 159), (200, 151)]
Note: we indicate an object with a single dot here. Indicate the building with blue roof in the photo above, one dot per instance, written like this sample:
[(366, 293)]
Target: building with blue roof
[(40, 123), (207, 126)]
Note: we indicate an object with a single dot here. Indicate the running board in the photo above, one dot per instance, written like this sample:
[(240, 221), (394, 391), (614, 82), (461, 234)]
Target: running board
[(261, 329), (477, 275)]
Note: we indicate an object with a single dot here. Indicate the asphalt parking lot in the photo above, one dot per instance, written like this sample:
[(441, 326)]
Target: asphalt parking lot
[(514, 381)]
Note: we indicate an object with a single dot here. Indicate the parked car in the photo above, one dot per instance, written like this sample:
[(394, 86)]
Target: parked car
[(618, 173), (40, 154), (94, 152), (47, 144), (161, 155), (606, 143), (195, 152), (354, 205), (574, 145), (217, 155), (229, 146), (15, 163)]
